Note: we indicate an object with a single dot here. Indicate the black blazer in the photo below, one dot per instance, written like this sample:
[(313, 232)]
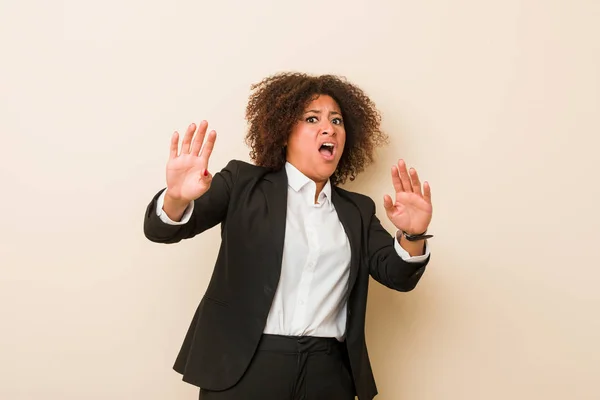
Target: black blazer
[(250, 203)]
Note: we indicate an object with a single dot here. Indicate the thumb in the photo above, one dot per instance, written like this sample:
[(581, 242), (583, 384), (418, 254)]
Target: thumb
[(387, 203)]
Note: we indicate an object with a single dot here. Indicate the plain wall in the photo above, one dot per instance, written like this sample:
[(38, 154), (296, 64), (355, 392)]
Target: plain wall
[(496, 103)]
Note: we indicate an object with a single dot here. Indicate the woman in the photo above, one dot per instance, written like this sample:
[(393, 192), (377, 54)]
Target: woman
[(283, 315)]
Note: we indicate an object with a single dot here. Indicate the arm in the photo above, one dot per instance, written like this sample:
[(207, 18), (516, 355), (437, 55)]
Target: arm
[(387, 264), (410, 212)]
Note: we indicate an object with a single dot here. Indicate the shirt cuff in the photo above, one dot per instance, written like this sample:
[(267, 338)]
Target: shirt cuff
[(405, 255), (165, 218)]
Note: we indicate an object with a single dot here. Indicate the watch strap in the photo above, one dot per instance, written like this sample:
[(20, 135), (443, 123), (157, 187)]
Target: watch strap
[(414, 238)]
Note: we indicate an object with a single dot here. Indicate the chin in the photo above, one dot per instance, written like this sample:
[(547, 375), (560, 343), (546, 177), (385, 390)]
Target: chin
[(325, 172)]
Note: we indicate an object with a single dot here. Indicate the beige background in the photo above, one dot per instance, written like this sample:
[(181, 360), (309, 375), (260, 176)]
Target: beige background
[(496, 103)]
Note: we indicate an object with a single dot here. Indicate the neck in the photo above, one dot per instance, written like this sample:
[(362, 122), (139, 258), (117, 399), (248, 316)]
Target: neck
[(320, 186)]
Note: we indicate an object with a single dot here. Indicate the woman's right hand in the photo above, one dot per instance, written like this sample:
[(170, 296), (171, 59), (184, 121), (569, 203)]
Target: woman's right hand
[(187, 171)]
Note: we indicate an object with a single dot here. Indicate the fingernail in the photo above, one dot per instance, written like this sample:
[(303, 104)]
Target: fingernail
[(205, 172)]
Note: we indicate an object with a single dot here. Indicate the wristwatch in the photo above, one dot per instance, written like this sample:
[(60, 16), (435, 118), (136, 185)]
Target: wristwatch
[(414, 238)]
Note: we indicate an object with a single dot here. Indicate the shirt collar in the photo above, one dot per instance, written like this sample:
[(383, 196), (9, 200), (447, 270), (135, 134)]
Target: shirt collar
[(297, 180)]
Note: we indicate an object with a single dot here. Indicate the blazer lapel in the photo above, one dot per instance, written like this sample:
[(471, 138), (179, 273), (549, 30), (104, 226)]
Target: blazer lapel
[(350, 218), (276, 196)]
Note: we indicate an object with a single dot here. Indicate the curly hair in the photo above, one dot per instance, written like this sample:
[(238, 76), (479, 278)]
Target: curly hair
[(278, 102)]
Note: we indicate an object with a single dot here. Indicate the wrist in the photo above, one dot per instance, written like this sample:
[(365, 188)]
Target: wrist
[(174, 201), (174, 207), (414, 237), (413, 248)]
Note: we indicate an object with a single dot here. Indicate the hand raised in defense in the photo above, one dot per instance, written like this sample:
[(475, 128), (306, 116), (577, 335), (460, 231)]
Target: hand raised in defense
[(187, 171), (410, 210)]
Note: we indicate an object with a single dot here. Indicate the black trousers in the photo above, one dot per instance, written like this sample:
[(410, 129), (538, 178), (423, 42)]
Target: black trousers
[(292, 368)]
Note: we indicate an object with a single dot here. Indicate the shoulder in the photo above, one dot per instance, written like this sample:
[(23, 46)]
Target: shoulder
[(243, 169), (241, 173), (364, 203)]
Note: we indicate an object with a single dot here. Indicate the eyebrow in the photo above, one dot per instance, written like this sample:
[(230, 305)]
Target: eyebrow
[(319, 112)]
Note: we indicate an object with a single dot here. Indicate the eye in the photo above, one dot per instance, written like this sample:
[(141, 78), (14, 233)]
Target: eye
[(311, 120), (338, 121)]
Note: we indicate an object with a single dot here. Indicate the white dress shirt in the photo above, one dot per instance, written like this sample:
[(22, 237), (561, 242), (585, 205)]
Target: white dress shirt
[(311, 297)]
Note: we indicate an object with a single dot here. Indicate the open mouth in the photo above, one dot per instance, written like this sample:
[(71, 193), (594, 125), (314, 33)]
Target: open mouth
[(327, 150)]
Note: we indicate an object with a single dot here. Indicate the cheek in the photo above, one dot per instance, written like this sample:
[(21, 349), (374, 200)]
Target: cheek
[(305, 139), (299, 143), (294, 140), (342, 139)]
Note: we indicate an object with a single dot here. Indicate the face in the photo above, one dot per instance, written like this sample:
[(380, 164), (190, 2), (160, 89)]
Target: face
[(317, 141)]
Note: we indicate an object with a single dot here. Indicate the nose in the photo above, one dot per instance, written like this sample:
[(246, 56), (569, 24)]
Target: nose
[(327, 128)]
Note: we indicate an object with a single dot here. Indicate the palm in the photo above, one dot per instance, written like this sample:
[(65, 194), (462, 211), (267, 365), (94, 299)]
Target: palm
[(187, 172), (411, 210)]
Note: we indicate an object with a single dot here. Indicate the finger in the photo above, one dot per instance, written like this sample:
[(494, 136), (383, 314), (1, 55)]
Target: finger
[(427, 192), (174, 145), (208, 146), (396, 180), (388, 204), (404, 176), (416, 183), (187, 139), (199, 138)]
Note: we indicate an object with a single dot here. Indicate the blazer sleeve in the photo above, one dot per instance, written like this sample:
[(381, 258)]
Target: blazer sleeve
[(210, 209), (385, 264)]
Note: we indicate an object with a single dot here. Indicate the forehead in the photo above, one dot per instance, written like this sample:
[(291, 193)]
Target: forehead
[(323, 101)]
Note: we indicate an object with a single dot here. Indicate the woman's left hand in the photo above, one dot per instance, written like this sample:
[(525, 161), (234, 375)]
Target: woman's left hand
[(411, 210)]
